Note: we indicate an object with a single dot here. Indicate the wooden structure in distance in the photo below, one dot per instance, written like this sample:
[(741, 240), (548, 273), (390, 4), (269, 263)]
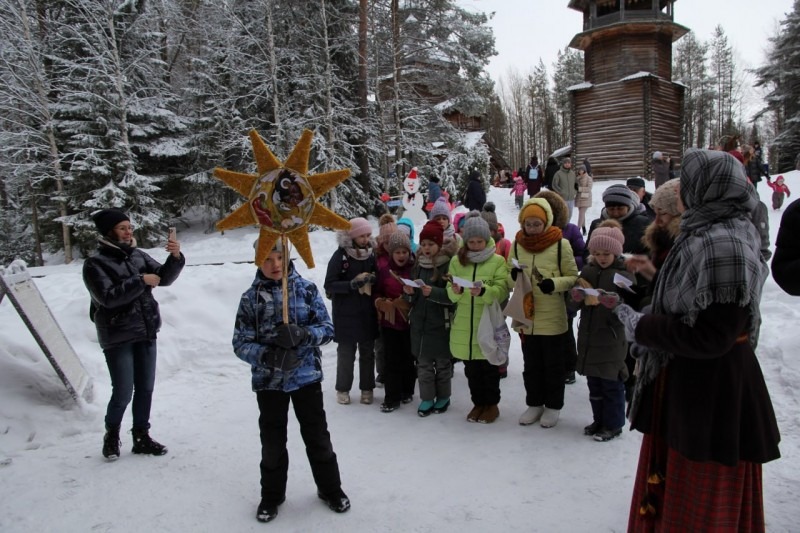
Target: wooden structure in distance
[(628, 106)]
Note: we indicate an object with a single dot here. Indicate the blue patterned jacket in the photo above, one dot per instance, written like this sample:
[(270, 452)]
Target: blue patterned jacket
[(260, 311)]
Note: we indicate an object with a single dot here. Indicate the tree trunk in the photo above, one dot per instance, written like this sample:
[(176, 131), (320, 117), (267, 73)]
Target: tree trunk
[(363, 157)]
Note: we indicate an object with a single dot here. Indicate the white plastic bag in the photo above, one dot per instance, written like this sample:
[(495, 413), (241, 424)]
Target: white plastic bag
[(494, 337)]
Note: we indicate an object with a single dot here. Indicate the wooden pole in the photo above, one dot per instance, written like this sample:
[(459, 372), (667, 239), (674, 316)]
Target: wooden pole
[(285, 277)]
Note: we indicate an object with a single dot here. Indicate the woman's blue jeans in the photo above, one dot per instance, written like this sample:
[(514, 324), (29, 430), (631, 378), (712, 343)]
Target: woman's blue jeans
[(132, 368)]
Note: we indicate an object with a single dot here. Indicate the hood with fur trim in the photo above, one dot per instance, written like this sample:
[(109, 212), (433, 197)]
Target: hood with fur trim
[(557, 205), (541, 202)]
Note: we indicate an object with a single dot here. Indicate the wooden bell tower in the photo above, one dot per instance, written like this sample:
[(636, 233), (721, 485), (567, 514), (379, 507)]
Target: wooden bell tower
[(628, 106)]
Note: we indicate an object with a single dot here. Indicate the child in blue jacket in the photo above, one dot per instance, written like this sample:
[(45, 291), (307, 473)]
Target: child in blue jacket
[(286, 366)]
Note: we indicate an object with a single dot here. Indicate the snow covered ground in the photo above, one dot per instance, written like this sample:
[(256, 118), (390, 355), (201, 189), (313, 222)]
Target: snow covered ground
[(402, 472)]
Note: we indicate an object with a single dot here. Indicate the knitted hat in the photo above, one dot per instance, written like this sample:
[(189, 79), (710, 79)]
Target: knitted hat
[(489, 215), (475, 226), (637, 183), (440, 207), (386, 226), (666, 197), (398, 239), (619, 194), (106, 219), (608, 239), (657, 155), (432, 231), (533, 211), (458, 220), (358, 227), (581, 168)]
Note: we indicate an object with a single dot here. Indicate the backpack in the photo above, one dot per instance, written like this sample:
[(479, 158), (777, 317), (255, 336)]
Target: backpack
[(533, 174)]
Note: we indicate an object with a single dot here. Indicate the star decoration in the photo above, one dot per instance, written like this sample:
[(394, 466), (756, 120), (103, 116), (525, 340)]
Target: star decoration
[(282, 198)]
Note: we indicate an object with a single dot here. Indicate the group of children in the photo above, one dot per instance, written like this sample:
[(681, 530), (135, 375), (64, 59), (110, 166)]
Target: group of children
[(425, 307)]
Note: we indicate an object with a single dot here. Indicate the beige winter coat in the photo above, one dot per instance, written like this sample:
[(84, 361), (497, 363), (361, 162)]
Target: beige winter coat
[(584, 197)]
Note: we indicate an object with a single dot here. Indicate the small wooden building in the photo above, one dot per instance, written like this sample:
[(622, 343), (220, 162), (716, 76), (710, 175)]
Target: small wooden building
[(628, 107)]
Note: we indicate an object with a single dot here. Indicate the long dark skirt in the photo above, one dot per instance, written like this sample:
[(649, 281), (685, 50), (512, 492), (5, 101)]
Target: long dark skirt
[(695, 496)]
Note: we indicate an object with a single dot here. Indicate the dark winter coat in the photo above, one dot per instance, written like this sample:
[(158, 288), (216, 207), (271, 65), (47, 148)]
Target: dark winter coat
[(572, 233), (391, 288), (786, 262), (660, 172), (601, 336), (648, 211), (123, 308), (550, 171), (475, 196), (430, 316), (260, 310), (715, 406), (753, 169), (533, 185), (633, 227), (354, 316)]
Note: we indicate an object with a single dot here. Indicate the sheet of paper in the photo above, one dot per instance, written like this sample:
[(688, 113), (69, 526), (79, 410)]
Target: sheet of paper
[(413, 282), (623, 282), (465, 283), (589, 292), (516, 263)]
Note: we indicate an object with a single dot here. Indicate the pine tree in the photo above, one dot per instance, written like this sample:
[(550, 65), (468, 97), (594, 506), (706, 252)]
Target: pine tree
[(781, 77)]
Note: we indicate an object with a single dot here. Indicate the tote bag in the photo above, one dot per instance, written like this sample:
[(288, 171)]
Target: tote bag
[(494, 338)]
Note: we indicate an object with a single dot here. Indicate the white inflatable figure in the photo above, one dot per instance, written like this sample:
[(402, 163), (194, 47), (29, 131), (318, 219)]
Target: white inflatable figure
[(412, 199)]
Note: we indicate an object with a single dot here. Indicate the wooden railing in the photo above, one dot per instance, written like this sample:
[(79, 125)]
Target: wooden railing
[(629, 15)]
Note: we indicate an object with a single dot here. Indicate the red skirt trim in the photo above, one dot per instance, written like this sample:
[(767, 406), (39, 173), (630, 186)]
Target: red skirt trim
[(694, 496)]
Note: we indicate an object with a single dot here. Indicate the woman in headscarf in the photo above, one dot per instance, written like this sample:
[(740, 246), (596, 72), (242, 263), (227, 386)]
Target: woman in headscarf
[(700, 399)]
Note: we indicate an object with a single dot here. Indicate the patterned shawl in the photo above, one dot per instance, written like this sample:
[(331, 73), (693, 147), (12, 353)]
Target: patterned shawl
[(715, 258)]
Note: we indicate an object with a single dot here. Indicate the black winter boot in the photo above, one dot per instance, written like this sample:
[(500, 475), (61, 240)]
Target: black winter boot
[(111, 443), (142, 443)]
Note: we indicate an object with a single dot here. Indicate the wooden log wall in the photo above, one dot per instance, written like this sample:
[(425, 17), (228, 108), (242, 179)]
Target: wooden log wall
[(619, 125), (613, 55)]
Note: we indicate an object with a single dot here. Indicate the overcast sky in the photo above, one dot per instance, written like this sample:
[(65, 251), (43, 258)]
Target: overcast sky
[(526, 30)]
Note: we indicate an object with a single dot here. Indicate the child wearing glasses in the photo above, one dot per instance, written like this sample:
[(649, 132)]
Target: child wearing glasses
[(601, 336)]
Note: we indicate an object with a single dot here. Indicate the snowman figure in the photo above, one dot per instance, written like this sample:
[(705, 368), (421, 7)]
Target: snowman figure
[(412, 199)]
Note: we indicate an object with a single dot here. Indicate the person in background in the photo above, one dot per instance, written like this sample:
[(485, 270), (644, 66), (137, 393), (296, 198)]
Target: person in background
[(386, 227), (518, 190), (434, 192), (752, 165), (476, 261), (779, 192), (120, 279), (533, 177), (502, 245), (701, 400), (637, 185), (786, 261), (547, 258), (660, 170), (406, 225), (430, 317), (565, 184), (474, 196), (602, 347), (348, 281), (550, 170), (583, 198), (570, 232), (286, 365), (440, 214)]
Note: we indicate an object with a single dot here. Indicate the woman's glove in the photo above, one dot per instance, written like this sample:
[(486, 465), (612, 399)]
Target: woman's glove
[(289, 336), (609, 300), (576, 294), (547, 286), (629, 318)]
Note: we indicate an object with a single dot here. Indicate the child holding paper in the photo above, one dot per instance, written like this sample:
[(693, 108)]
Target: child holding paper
[(430, 316), (399, 372), (476, 262), (540, 247), (601, 336)]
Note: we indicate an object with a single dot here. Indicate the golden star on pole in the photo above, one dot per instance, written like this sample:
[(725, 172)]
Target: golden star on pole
[(282, 198)]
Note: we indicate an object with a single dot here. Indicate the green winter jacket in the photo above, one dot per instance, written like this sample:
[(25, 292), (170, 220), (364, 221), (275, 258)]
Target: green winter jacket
[(430, 316), (550, 310), (464, 331)]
